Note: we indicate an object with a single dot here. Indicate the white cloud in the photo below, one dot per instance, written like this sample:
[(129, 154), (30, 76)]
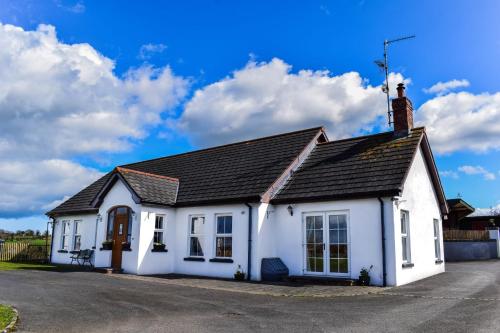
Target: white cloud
[(477, 170), (449, 174), (58, 101), (148, 50), (462, 121), (267, 97), (28, 186), (77, 8), (442, 88)]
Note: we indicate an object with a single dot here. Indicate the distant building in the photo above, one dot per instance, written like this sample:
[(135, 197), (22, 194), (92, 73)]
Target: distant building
[(463, 216)]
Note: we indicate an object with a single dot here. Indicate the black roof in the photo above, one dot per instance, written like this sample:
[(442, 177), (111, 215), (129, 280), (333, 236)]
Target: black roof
[(459, 204), (235, 172), (367, 166)]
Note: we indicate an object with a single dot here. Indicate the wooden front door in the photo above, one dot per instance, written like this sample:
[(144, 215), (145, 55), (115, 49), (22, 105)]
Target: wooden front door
[(119, 236)]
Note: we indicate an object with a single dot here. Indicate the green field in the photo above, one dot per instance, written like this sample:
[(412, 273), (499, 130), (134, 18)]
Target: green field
[(10, 266), (6, 315), (33, 241)]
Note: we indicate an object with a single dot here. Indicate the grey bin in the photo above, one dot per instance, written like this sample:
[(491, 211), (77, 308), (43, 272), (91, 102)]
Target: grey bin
[(273, 269)]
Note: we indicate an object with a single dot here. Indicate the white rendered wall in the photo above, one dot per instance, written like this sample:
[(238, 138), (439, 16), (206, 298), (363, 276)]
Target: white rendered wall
[(156, 262), (207, 268), (419, 198), (87, 232), (364, 231)]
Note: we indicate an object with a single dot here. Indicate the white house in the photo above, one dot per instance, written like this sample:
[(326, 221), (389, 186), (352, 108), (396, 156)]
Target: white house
[(325, 208)]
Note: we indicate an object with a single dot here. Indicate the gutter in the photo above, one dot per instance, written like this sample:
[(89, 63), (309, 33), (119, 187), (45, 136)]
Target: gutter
[(249, 258), (382, 225)]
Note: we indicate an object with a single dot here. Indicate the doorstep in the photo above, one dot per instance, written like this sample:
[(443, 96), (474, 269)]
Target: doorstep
[(107, 270), (322, 280)]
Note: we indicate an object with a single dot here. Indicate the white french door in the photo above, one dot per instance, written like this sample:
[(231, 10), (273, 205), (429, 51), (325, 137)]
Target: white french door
[(326, 243)]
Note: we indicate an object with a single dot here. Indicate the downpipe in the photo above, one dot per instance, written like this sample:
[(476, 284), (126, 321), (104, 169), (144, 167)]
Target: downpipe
[(382, 226)]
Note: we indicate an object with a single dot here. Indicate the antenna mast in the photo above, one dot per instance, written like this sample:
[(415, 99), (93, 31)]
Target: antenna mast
[(385, 66)]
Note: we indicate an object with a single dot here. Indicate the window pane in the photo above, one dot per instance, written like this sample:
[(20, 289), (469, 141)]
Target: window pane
[(332, 222), (343, 266), (404, 247), (195, 247), (318, 222), (342, 251), (334, 265), (310, 222), (342, 221), (77, 243), (111, 219), (403, 222), (197, 225), (159, 222), (228, 226), (228, 247), (343, 236), (158, 237), (122, 210)]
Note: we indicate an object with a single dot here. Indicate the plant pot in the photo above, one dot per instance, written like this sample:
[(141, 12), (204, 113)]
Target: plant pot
[(239, 276), (107, 246), (364, 281), (125, 246), (159, 247)]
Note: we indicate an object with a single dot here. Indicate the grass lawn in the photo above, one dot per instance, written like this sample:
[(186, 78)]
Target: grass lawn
[(9, 266), (6, 315)]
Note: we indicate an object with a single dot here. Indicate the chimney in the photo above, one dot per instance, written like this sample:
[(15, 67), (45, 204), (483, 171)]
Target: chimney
[(402, 112)]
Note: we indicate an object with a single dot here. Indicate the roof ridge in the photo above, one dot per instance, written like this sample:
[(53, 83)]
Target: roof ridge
[(229, 144), (119, 169), (367, 136)]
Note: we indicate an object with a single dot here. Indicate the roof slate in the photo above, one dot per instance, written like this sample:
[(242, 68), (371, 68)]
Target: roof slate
[(233, 172), (358, 167), (150, 188)]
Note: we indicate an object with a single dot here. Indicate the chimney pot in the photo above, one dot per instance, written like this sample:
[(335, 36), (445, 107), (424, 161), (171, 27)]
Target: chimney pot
[(401, 90)]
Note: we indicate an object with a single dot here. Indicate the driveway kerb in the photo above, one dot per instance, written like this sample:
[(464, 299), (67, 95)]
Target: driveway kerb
[(319, 291)]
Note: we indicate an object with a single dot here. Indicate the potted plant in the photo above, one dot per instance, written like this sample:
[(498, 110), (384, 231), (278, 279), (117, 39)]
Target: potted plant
[(107, 245), (364, 276), (158, 247), (239, 275), (125, 246)]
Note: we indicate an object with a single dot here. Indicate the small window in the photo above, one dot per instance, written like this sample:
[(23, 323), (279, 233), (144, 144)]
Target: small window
[(77, 236), (66, 236), (405, 236), (224, 236), (159, 229), (196, 225), (437, 240)]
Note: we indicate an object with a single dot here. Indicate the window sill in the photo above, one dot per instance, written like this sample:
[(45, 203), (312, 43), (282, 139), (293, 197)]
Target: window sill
[(103, 249), (74, 251), (408, 265), (439, 261), (126, 250), (62, 251), (222, 260), (194, 259), (159, 250)]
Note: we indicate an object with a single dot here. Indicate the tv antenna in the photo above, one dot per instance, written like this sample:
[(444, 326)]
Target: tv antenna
[(384, 65)]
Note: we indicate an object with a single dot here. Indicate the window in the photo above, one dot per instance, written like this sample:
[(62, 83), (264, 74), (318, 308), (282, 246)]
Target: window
[(405, 236), (65, 235), (196, 224), (159, 224), (437, 240), (224, 236), (77, 236)]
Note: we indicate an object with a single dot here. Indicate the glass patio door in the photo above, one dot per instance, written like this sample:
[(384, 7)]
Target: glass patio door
[(326, 244), (314, 244), (338, 245)]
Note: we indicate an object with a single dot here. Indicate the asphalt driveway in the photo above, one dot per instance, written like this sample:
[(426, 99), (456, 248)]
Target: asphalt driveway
[(464, 299)]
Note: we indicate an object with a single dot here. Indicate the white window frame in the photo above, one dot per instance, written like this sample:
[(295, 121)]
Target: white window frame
[(223, 235), (200, 236), (77, 224), (65, 234), (159, 230), (437, 239), (405, 235)]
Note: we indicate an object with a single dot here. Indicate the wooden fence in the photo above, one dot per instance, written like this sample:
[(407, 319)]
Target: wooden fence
[(467, 235), (24, 252)]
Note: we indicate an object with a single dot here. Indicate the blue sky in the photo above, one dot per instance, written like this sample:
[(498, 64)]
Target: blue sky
[(203, 43)]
